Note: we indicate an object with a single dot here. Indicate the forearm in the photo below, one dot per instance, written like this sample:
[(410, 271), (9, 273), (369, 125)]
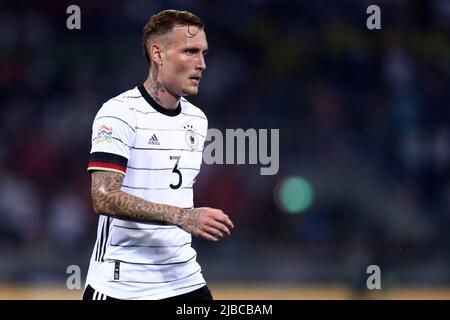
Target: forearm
[(128, 206), (108, 199)]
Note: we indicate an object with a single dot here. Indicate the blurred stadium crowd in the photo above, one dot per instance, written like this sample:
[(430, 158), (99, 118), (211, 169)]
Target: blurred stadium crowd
[(363, 116)]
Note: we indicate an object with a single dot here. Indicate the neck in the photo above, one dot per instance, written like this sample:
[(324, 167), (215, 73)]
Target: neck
[(159, 93)]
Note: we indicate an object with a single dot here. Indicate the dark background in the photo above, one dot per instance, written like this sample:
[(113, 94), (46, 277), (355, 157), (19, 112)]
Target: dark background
[(363, 118)]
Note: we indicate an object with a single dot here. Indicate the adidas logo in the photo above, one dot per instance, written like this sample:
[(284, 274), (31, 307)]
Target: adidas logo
[(153, 140)]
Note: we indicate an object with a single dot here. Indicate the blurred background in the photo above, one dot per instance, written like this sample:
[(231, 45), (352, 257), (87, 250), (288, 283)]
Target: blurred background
[(364, 125)]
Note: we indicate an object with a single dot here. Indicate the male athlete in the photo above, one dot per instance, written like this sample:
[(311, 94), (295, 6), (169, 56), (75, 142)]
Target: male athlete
[(146, 151)]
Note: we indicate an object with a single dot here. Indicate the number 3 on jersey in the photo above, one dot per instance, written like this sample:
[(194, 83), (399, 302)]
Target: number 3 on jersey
[(178, 172)]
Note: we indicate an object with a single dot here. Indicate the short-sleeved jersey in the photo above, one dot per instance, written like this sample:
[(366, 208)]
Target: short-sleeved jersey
[(160, 153)]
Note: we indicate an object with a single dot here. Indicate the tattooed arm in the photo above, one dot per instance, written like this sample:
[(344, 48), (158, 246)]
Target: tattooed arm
[(208, 223)]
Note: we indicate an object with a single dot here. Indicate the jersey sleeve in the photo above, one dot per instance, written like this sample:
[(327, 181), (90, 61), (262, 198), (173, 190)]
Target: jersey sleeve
[(113, 135)]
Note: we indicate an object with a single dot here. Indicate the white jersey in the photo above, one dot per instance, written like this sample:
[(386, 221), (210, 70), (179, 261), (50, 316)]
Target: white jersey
[(160, 153)]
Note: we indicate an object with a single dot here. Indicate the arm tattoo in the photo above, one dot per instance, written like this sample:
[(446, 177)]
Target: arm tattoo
[(108, 199), (190, 220)]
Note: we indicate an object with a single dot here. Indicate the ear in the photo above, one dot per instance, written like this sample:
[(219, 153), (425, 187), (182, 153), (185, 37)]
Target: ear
[(156, 53)]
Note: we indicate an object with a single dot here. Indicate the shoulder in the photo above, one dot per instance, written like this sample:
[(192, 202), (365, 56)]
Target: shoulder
[(121, 106), (188, 109)]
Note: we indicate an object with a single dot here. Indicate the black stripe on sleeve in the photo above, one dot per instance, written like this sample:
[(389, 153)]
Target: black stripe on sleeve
[(108, 158)]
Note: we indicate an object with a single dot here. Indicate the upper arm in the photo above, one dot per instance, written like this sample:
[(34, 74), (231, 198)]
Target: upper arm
[(113, 136), (103, 185)]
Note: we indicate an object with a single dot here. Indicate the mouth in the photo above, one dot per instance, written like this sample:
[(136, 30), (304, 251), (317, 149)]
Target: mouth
[(195, 79)]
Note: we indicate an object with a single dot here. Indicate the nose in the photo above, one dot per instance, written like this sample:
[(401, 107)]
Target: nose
[(201, 63)]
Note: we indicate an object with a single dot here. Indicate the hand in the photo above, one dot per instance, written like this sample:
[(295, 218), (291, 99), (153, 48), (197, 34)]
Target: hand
[(207, 223)]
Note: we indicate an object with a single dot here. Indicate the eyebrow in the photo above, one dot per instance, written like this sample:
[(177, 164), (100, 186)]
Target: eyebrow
[(196, 49)]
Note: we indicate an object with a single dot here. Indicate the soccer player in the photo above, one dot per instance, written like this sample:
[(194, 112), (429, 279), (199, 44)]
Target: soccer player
[(146, 151)]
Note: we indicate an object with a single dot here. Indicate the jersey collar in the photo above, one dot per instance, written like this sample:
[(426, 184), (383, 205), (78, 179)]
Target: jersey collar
[(155, 105)]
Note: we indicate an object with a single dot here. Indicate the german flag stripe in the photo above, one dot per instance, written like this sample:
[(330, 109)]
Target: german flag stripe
[(105, 165), (107, 161)]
